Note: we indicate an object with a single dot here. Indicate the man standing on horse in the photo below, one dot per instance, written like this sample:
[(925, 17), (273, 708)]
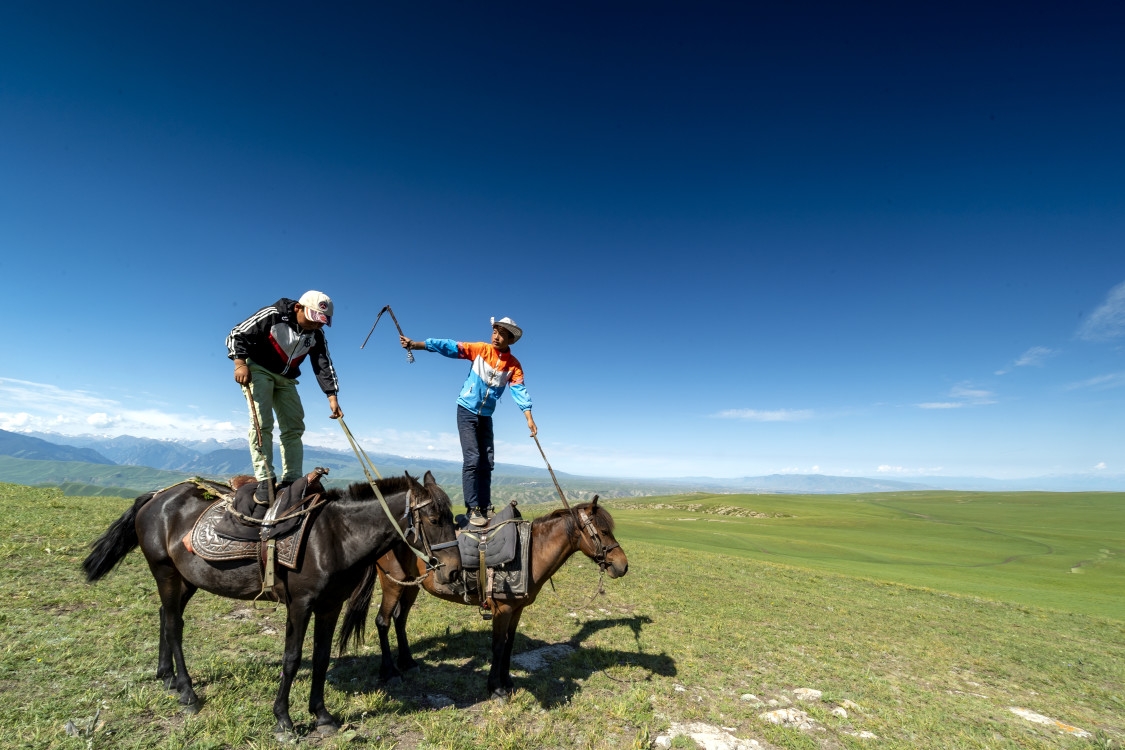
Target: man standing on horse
[(494, 368), (267, 349)]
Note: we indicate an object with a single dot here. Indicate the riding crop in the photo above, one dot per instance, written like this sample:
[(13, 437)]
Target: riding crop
[(387, 309)]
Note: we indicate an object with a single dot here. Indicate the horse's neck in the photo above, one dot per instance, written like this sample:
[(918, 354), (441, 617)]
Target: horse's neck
[(551, 546), (360, 528)]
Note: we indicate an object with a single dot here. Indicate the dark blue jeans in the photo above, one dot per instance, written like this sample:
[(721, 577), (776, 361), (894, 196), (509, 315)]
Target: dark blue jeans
[(479, 454)]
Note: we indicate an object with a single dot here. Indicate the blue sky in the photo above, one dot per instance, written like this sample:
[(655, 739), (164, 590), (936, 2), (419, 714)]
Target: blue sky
[(741, 238)]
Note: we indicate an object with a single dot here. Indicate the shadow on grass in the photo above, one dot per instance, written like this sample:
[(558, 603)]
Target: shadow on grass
[(454, 667)]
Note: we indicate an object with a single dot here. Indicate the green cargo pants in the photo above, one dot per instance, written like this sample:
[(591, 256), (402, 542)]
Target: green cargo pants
[(272, 394)]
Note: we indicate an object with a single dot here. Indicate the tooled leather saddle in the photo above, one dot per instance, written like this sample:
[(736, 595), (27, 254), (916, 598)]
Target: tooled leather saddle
[(236, 527)]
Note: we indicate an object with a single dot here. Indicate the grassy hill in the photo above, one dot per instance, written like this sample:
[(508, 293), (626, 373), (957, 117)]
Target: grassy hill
[(138, 479), (952, 616)]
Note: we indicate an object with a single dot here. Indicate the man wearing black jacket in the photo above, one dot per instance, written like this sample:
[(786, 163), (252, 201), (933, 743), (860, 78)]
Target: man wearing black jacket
[(267, 349)]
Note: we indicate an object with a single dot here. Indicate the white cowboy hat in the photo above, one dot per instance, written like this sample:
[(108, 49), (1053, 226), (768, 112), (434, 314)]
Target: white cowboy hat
[(510, 326)]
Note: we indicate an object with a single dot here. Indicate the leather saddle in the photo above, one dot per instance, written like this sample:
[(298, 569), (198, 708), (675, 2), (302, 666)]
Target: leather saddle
[(234, 527)]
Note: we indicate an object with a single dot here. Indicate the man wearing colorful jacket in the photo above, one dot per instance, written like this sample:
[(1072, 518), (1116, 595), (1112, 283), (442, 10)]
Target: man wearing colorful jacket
[(494, 368), (267, 349)]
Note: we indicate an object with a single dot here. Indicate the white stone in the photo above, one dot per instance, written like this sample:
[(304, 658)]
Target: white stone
[(538, 658), (711, 738), (851, 705), (1041, 719), (680, 688), (840, 712), (807, 694), (751, 697), (788, 717), (663, 742)]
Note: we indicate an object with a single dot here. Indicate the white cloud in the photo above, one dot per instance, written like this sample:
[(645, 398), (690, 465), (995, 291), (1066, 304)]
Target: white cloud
[(1108, 321), (1099, 382), (1035, 357), (52, 409), (814, 469), (777, 415), (1099, 466), (965, 395), (972, 395), (902, 470)]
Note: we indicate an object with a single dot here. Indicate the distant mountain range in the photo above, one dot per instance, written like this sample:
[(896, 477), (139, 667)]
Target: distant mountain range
[(134, 464)]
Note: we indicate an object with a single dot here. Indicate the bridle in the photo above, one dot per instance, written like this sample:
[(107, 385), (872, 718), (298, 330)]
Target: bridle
[(412, 518), (601, 550)]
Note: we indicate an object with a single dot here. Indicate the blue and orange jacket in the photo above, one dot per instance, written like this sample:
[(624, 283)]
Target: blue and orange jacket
[(492, 371)]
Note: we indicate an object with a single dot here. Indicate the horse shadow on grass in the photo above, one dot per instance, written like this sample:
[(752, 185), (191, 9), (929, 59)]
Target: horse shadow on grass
[(453, 667)]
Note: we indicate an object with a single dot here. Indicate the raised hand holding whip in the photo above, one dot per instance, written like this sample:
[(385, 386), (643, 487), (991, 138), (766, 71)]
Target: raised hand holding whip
[(387, 309)]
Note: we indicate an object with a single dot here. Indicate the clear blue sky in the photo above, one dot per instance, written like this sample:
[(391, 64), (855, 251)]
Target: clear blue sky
[(742, 238)]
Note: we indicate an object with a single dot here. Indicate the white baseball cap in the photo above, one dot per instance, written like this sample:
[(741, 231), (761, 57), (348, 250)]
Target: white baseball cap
[(318, 307), (510, 326)]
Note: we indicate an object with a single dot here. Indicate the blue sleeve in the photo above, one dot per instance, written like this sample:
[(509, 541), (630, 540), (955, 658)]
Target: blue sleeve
[(447, 347), (521, 396)]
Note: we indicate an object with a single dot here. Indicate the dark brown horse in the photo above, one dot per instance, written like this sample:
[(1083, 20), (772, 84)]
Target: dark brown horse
[(345, 537), (554, 538)]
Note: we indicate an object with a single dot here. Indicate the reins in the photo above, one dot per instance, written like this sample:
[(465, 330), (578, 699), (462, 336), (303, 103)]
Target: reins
[(584, 521), (428, 558)]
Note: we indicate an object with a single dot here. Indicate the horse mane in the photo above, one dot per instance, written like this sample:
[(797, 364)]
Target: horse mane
[(600, 516), (362, 492)]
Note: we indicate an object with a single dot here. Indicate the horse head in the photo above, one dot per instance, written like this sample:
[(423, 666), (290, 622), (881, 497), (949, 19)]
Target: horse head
[(596, 539), (431, 514)]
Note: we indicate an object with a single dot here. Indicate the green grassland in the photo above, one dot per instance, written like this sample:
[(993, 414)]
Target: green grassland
[(1059, 550), (933, 613)]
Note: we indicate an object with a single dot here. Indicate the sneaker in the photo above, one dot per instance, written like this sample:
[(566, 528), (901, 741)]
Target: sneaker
[(475, 517)]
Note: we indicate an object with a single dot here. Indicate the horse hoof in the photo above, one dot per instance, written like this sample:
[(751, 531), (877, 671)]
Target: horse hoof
[(327, 730), (191, 708), (500, 695), (285, 735)]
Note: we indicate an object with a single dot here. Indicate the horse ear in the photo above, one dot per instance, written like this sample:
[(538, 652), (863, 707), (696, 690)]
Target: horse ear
[(594, 504), (429, 480)]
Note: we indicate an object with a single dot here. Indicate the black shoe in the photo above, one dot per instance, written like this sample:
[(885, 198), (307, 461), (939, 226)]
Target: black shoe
[(262, 494), (475, 517)]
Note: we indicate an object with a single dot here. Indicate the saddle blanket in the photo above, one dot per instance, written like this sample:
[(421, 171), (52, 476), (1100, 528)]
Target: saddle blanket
[(511, 579), (499, 539)]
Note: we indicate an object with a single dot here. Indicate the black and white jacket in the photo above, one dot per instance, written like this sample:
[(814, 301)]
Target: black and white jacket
[(272, 339)]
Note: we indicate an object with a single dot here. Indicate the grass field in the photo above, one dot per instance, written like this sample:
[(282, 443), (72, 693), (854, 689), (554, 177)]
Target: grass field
[(1059, 550), (928, 616)]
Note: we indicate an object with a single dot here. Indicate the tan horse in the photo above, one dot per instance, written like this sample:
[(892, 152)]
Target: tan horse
[(554, 538)]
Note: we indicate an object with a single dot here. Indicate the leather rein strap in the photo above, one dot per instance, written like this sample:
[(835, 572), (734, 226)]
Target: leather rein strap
[(411, 509)]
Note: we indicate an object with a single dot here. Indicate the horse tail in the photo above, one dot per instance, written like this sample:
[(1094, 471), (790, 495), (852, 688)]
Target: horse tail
[(118, 540), (355, 619)]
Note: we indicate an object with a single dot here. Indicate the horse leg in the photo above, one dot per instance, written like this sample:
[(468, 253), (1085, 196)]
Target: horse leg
[(387, 608), (164, 667), (174, 595), (504, 622), (296, 623), (322, 652), (406, 661)]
